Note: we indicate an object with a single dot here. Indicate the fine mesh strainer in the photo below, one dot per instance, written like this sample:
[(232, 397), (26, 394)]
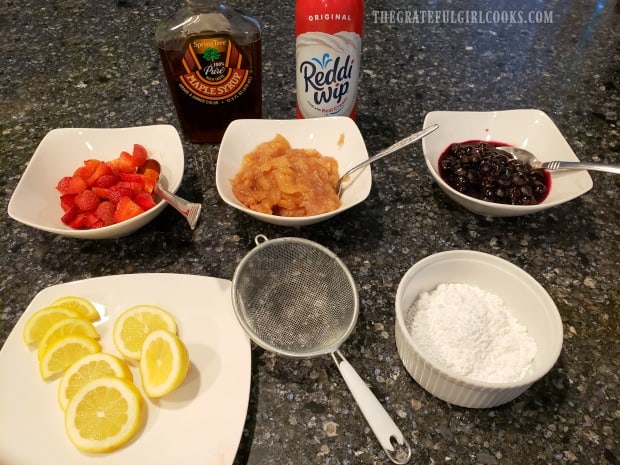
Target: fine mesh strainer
[(296, 298)]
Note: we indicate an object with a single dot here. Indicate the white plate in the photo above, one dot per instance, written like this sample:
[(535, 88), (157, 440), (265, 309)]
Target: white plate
[(530, 129), (199, 423), (334, 136), (36, 202)]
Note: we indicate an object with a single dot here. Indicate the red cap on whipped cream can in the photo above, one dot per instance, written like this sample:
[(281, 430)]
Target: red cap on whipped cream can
[(328, 55)]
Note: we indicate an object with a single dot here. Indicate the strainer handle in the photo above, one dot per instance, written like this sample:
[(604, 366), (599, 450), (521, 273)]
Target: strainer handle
[(377, 417)]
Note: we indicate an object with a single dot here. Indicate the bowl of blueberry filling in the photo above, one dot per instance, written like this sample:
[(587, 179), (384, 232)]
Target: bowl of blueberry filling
[(465, 159)]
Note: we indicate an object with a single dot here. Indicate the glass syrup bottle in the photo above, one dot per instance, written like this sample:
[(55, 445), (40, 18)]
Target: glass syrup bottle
[(211, 56)]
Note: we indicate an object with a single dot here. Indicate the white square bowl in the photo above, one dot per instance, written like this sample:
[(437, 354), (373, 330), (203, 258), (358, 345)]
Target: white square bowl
[(529, 129), (36, 202), (523, 297), (336, 136)]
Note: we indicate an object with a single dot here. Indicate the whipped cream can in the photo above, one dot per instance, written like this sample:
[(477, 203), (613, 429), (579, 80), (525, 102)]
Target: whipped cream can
[(328, 54)]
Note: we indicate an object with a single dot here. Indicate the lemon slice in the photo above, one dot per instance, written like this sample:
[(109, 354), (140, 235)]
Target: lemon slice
[(65, 327), (64, 352), (104, 414), (41, 320), (79, 304), (87, 369), (164, 363), (134, 325)]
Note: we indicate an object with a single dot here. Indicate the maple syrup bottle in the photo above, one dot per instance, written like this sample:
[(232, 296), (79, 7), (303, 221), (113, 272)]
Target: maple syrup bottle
[(328, 53), (211, 56)]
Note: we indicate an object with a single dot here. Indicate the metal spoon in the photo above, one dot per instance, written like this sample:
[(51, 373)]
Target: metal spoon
[(529, 159), (393, 148), (190, 210)]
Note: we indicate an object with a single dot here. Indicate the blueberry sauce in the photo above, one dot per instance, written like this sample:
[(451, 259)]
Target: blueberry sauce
[(478, 169)]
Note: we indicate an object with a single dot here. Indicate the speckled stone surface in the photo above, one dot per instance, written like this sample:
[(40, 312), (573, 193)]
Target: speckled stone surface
[(91, 64)]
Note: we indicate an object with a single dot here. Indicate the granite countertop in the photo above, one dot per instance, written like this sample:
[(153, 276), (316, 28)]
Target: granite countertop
[(92, 64)]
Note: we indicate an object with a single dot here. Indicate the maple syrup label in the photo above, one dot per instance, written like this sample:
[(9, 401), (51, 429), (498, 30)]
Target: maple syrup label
[(215, 70)]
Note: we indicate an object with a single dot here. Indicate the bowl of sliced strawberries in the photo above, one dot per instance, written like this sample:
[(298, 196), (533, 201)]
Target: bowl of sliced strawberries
[(97, 183)]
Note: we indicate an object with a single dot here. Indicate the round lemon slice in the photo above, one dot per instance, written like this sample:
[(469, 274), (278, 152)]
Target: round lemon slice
[(41, 320), (65, 327), (78, 304), (104, 414), (134, 325), (64, 352), (164, 363), (87, 369)]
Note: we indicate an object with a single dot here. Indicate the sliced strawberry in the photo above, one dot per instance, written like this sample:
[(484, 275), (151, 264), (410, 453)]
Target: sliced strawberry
[(71, 185), (63, 184), (91, 219), (87, 200), (67, 201), (70, 215), (79, 221), (131, 177), (102, 192), (125, 209), (145, 200), (107, 180), (133, 186), (87, 169), (139, 155), (149, 185), (126, 163), (105, 212), (119, 190), (102, 169), (150, 172)]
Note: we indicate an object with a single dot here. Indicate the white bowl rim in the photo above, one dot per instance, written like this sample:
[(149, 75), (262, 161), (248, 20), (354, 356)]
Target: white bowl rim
[(448, 373)]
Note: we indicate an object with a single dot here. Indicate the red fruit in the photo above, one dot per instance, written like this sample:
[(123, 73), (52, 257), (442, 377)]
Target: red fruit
[(119, 190), (139, 155), (85, 171), (102, 192), (126, 163), (63, 184), (133, 186), (71, 185), (102, 169), (78, 221), (70, 215), (145, 200), (131, 177), (76, 185), (91, 219), (67, 201), (150, 172), (86, 200), (107, 180), (105, 211), (125, 209)]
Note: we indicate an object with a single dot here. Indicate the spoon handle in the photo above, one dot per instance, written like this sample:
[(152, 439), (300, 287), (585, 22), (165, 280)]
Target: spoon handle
[(390, 437), (393, 148), (575, 165), (190, 210)]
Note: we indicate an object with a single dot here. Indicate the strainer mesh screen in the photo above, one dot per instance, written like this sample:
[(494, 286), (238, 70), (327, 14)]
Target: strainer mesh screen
[(295, 298)]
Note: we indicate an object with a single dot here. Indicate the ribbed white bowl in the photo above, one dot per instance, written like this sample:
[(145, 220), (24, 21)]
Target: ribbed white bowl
[(523, 296)]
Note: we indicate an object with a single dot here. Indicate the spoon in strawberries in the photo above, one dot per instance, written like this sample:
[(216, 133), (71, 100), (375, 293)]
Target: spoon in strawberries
[(190, 210)]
